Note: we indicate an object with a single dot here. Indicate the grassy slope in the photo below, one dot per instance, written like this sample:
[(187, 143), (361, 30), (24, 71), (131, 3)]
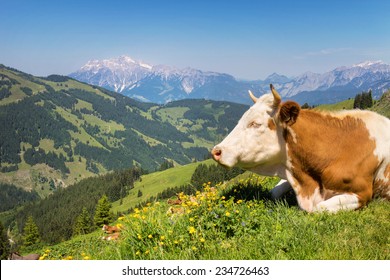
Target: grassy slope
[(154, 183), (343, 105), (230, 224)]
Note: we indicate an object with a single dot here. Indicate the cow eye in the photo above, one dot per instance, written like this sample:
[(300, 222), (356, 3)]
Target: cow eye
[(254, 124)]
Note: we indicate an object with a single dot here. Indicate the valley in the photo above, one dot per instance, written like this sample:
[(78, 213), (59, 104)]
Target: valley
[(58, 131)]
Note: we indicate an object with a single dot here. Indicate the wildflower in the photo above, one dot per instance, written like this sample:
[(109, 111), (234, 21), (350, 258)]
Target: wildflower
[(223, 197), (86, 258), (150, 236), (202, 240), (121, 218), (176, 242), (138, 253), (227, 214), (147, 252), (162, 237), (192, 219), (139, 236), (239, 201), (191, 230), (194, 248), (161, 243)]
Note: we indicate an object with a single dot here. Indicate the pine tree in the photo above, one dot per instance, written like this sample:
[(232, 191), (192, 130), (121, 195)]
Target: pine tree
[(4, 245), (83, 223), (30, 233), (357, 102), (102, 212)]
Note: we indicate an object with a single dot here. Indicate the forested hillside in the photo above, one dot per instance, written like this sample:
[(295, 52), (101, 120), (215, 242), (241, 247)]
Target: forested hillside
[(57, 131)]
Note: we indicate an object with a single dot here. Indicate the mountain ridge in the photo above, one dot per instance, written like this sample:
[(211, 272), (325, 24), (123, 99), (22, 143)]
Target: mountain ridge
[(58, 130), (162, 83)]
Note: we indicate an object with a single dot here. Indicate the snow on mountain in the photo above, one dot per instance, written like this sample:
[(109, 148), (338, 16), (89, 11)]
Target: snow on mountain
[(339, 77), (163, 83)]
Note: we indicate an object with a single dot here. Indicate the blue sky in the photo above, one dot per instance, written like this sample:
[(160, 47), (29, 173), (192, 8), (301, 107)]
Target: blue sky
[(247, 39)]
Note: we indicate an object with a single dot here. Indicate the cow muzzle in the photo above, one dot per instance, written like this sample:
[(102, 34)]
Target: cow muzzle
[(216, 153)]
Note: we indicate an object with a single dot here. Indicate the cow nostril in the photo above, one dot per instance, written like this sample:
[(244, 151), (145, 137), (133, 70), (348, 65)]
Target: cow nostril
[(216, 152)]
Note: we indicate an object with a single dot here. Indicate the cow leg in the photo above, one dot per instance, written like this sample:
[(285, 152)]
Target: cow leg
[(338, 202), (280, 190)]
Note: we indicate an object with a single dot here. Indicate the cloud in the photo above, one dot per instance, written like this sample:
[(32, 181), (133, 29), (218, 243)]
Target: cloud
[(323, 52)]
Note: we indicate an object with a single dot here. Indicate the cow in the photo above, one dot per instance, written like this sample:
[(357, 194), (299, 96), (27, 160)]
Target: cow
[(110, 229), (332, 161)]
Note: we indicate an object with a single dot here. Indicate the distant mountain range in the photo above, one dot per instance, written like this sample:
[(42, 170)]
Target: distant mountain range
[(161, 83)]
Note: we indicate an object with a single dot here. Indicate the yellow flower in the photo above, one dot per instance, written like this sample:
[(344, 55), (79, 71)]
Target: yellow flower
[(147, 252), (139, 236), (194, 248), (192, 219), (138, 253), (150, 236), (176, 242), (162, 237), (223, 197), (86, 258), (202, 240), (121, 218), (227, 214), (191, 230)]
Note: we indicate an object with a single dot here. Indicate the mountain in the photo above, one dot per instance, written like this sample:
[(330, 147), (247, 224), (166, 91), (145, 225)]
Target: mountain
[(162, 84), (56, 131), (339, 84)]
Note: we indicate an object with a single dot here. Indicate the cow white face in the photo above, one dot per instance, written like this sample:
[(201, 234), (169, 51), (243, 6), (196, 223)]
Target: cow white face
[(255, 141)]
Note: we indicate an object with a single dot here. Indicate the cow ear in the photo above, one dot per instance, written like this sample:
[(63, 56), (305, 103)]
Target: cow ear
[(289, 112)]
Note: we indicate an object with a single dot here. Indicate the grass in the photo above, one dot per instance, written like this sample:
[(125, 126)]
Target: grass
[(237, 221), (154, 183), (343, 105)]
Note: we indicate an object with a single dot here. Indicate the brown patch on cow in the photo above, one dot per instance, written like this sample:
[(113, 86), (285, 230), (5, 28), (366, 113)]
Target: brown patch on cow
[(334, 154), (271, 124)]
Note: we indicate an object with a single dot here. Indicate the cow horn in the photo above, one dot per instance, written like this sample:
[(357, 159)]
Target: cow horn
[(277, 98), (254, 98)]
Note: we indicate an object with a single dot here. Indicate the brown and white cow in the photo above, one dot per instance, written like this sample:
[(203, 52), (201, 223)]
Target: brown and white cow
[(332, 161)]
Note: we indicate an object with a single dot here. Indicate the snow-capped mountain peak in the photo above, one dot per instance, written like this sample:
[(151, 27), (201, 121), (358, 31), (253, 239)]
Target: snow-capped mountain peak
[(163, 83), (367, 64)]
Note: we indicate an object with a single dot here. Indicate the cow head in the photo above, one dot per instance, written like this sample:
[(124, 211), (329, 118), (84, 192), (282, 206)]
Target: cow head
[(256, 142)]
